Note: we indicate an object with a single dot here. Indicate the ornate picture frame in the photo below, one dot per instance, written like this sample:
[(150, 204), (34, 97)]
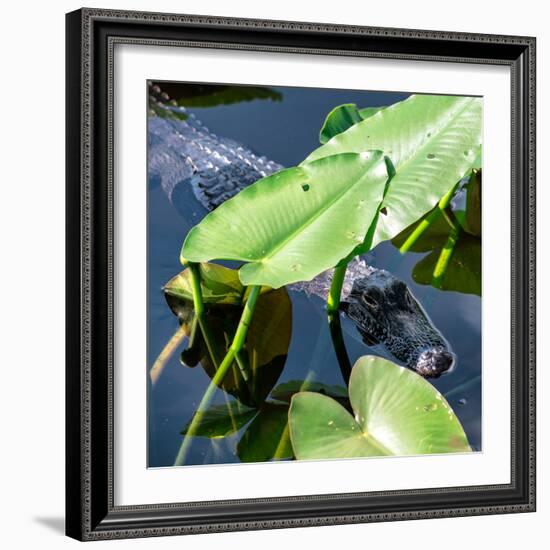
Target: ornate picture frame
[(91, 512)]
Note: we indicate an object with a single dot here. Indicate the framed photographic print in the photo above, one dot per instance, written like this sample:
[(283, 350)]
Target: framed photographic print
[(300, 274)]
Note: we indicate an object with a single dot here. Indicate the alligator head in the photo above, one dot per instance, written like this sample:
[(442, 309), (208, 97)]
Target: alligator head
[(387, 313)]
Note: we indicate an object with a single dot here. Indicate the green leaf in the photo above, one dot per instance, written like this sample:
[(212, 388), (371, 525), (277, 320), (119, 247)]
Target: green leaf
[(343, 117), (219, 285), (432, 142), (463, 274), (267, 436), (397, 412), (367, 112), (218, 421), (268, 338), (294, 224)]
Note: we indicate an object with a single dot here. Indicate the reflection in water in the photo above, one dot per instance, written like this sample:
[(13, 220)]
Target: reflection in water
[(309, 356)]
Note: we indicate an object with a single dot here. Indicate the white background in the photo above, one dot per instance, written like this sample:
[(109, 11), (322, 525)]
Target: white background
[(31, 294), (134, 484)]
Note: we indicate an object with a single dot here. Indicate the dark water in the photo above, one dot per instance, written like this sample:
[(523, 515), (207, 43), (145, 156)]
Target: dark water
[(286, 132)]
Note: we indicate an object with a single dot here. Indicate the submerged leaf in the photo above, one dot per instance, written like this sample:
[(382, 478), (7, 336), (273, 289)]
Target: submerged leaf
[(219, 285), (463, 272), (267, 341), (222, 420), (397, 412), (266, 438), (294, 224)]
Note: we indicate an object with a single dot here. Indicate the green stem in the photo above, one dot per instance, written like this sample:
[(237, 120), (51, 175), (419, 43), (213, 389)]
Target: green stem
[(428, 220), (449, 216), (200, 319), (337, 337), (333, 298), (445, 257), (244, 367), (217, 379), (196, 289), (335, 326)]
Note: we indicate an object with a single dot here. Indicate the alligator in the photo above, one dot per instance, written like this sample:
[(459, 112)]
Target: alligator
[(184, 155)]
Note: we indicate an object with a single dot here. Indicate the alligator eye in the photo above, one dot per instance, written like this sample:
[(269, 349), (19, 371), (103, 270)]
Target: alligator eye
[(369, 301)]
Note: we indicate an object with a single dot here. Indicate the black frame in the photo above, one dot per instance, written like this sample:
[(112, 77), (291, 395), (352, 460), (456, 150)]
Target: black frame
[(91, 36)]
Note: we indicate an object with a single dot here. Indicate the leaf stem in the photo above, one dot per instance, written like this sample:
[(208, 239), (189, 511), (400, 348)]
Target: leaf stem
[(335, 291), (217, 379), (244, 367), (428, 220), (335, 326), (445, 257), (196, 288)]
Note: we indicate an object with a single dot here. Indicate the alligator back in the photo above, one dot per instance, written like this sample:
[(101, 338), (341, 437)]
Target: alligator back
[(185, 152)]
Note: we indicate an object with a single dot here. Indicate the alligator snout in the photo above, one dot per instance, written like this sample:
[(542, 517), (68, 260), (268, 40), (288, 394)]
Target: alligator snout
[(432, 363)]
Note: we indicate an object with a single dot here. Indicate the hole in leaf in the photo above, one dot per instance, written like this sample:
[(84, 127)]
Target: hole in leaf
[(384, 211), (430, 156), (305, 187)]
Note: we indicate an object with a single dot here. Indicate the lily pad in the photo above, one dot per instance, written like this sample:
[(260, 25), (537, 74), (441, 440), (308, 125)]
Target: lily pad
[(396, 412), (296, 223)]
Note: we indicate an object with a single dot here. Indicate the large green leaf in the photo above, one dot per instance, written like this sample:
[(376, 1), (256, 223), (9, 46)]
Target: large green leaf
[(294, 224), (267, 341), (397, 412), (432, 142)]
